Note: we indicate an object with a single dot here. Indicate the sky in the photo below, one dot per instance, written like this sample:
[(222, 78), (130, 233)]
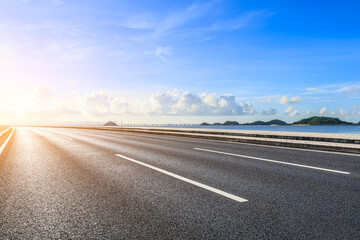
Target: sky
[(67, 61)]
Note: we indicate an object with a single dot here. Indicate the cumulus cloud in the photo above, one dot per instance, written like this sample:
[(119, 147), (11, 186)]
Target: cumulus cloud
[(173, 103), (97, 103), (323, 111), (286, 100), (186, 103), (270, 111)]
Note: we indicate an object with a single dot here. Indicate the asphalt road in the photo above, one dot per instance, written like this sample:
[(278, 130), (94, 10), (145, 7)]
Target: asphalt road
[(90, 184)]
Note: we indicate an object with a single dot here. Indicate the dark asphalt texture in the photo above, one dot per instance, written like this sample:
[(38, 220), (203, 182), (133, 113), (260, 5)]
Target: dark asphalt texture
[(68, 184)]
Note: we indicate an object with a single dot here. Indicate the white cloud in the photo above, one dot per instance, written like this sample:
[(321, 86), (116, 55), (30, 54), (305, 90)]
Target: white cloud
[(286, 100), (163, 103), (97, 103), (173, 103), (323, 111), (292, 111), (187, 103), (289, 109)]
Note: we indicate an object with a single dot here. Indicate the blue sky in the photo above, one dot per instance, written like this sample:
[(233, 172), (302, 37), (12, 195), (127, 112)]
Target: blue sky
[(178, 61)]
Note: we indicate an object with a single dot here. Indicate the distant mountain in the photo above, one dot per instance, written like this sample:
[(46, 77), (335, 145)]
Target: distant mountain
[(231, 123), (110, 123), (207, 124), (276, 122), (322, 121), (272, 122)]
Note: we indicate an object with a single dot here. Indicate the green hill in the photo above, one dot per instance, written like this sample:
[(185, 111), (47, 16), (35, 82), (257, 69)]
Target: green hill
[(275, 122), (231, 123), (322, 121)]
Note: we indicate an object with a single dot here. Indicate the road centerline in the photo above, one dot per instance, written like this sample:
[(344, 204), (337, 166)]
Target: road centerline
[(273, 161), (215, 190)]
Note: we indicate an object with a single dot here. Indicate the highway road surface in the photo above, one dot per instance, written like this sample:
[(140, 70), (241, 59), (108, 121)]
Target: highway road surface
[(90, 184)]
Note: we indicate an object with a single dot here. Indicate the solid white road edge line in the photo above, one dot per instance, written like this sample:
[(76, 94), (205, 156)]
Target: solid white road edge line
[(225, 194), (273, 161), (6, 142)]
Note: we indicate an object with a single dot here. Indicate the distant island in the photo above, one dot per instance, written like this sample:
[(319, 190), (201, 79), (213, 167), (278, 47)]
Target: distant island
[(110, 123), (233, 123), (272, 122), (306, 121), (322, 121)]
